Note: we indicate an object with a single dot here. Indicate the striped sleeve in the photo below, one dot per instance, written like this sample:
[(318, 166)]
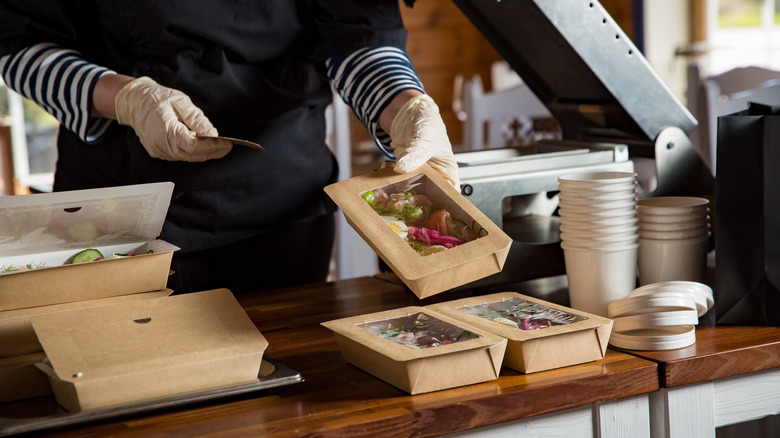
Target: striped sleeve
[(368, 79), (60, 82)]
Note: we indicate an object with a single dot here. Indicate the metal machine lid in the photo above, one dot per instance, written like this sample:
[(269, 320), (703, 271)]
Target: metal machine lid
[(581, 65)]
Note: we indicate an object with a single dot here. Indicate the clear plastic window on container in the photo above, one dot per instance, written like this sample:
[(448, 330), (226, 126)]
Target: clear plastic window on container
[(522, 314), (423, 215), (39, 228), (419, 331)]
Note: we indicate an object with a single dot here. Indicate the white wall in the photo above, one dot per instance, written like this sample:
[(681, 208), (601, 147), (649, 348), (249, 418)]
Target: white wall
[(666, 24)]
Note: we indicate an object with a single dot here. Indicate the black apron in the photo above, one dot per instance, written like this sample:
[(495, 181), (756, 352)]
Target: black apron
[(255, 68)]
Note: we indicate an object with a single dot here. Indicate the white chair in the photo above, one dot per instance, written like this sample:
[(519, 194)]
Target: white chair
[(494, 119), (503, 76), (716, 95)]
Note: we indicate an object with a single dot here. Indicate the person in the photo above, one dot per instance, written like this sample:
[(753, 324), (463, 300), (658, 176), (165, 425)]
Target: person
[(132, 81)]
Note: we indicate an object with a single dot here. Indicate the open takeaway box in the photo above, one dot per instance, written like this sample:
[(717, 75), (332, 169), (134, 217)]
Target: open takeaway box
[(541, 335), (42, 232), (136, 351), (383, 208), (419, 350)]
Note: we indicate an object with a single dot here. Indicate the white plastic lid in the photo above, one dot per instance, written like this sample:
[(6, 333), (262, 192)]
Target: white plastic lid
[(701, 293), (650, 303), (659, 316), (655, 320), (663, 338), (48, 222)]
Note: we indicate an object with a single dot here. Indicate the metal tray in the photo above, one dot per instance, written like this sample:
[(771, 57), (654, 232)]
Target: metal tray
[(43, 413)]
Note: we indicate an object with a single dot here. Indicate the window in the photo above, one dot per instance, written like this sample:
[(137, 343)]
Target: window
[(33, 139), (742, 33)]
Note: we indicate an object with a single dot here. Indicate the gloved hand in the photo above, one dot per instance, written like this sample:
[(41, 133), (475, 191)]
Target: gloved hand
[(166, 121), (418, 135)]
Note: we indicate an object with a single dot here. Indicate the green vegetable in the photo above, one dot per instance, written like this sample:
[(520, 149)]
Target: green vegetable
[(87, 255), (369, 197), (477, 228), (11, 268)]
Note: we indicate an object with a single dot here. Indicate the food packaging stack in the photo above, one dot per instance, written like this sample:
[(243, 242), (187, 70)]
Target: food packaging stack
[(84, 309), (659, 316)]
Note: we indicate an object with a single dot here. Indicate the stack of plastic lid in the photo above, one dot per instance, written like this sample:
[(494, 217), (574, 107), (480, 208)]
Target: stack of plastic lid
[(659, 316)]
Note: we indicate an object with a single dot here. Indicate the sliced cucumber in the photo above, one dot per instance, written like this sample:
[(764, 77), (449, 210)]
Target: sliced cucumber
[(87, 255), (459, 225), (477, 228)]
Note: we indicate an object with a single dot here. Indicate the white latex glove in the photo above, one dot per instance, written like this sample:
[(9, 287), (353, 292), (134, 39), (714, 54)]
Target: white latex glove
[(418, 135), (162, 118)]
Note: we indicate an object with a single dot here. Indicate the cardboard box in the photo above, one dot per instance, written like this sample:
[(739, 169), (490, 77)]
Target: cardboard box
[(129, 352), (567, 336), (17, 336), (20, 379), (424, 275), (475, 358), (48, 229)]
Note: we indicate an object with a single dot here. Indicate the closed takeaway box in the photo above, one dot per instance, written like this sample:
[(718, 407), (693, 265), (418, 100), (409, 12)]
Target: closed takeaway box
[(40, 234), (541, 335), (17, 336), (419, 350), (130, 352), (429, 234)]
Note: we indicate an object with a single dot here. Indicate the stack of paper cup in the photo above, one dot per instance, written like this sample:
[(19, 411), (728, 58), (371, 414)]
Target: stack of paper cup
[(673, 239), (598, 215)]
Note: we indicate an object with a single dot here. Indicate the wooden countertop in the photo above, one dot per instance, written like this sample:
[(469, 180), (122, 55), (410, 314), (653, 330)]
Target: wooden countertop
[(719, 351), (337, 398)]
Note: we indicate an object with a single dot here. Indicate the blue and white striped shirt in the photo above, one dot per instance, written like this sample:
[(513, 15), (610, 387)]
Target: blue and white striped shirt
[(61, 82), (368, 79)]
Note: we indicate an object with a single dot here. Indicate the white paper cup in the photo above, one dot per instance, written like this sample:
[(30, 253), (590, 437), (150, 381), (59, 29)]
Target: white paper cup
[(600, 240), (674, 205), (583, 223), (590, 230), (674, 226), (606, 190), (670, 219), (597, 179), (593, 216), (672, 260), (587, 213), (597, 205), (598, 278), (581, 198), (603, 247), (695, 233)]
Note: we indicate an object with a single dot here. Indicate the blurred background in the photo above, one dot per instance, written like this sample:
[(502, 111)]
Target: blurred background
[(717, 35)]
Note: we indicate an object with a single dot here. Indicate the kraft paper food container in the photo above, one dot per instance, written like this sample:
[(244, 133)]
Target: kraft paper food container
[(46, 230), (434, 273), (124, 353), (17, 336), (574, 336), (20, 379), (475, 356)]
